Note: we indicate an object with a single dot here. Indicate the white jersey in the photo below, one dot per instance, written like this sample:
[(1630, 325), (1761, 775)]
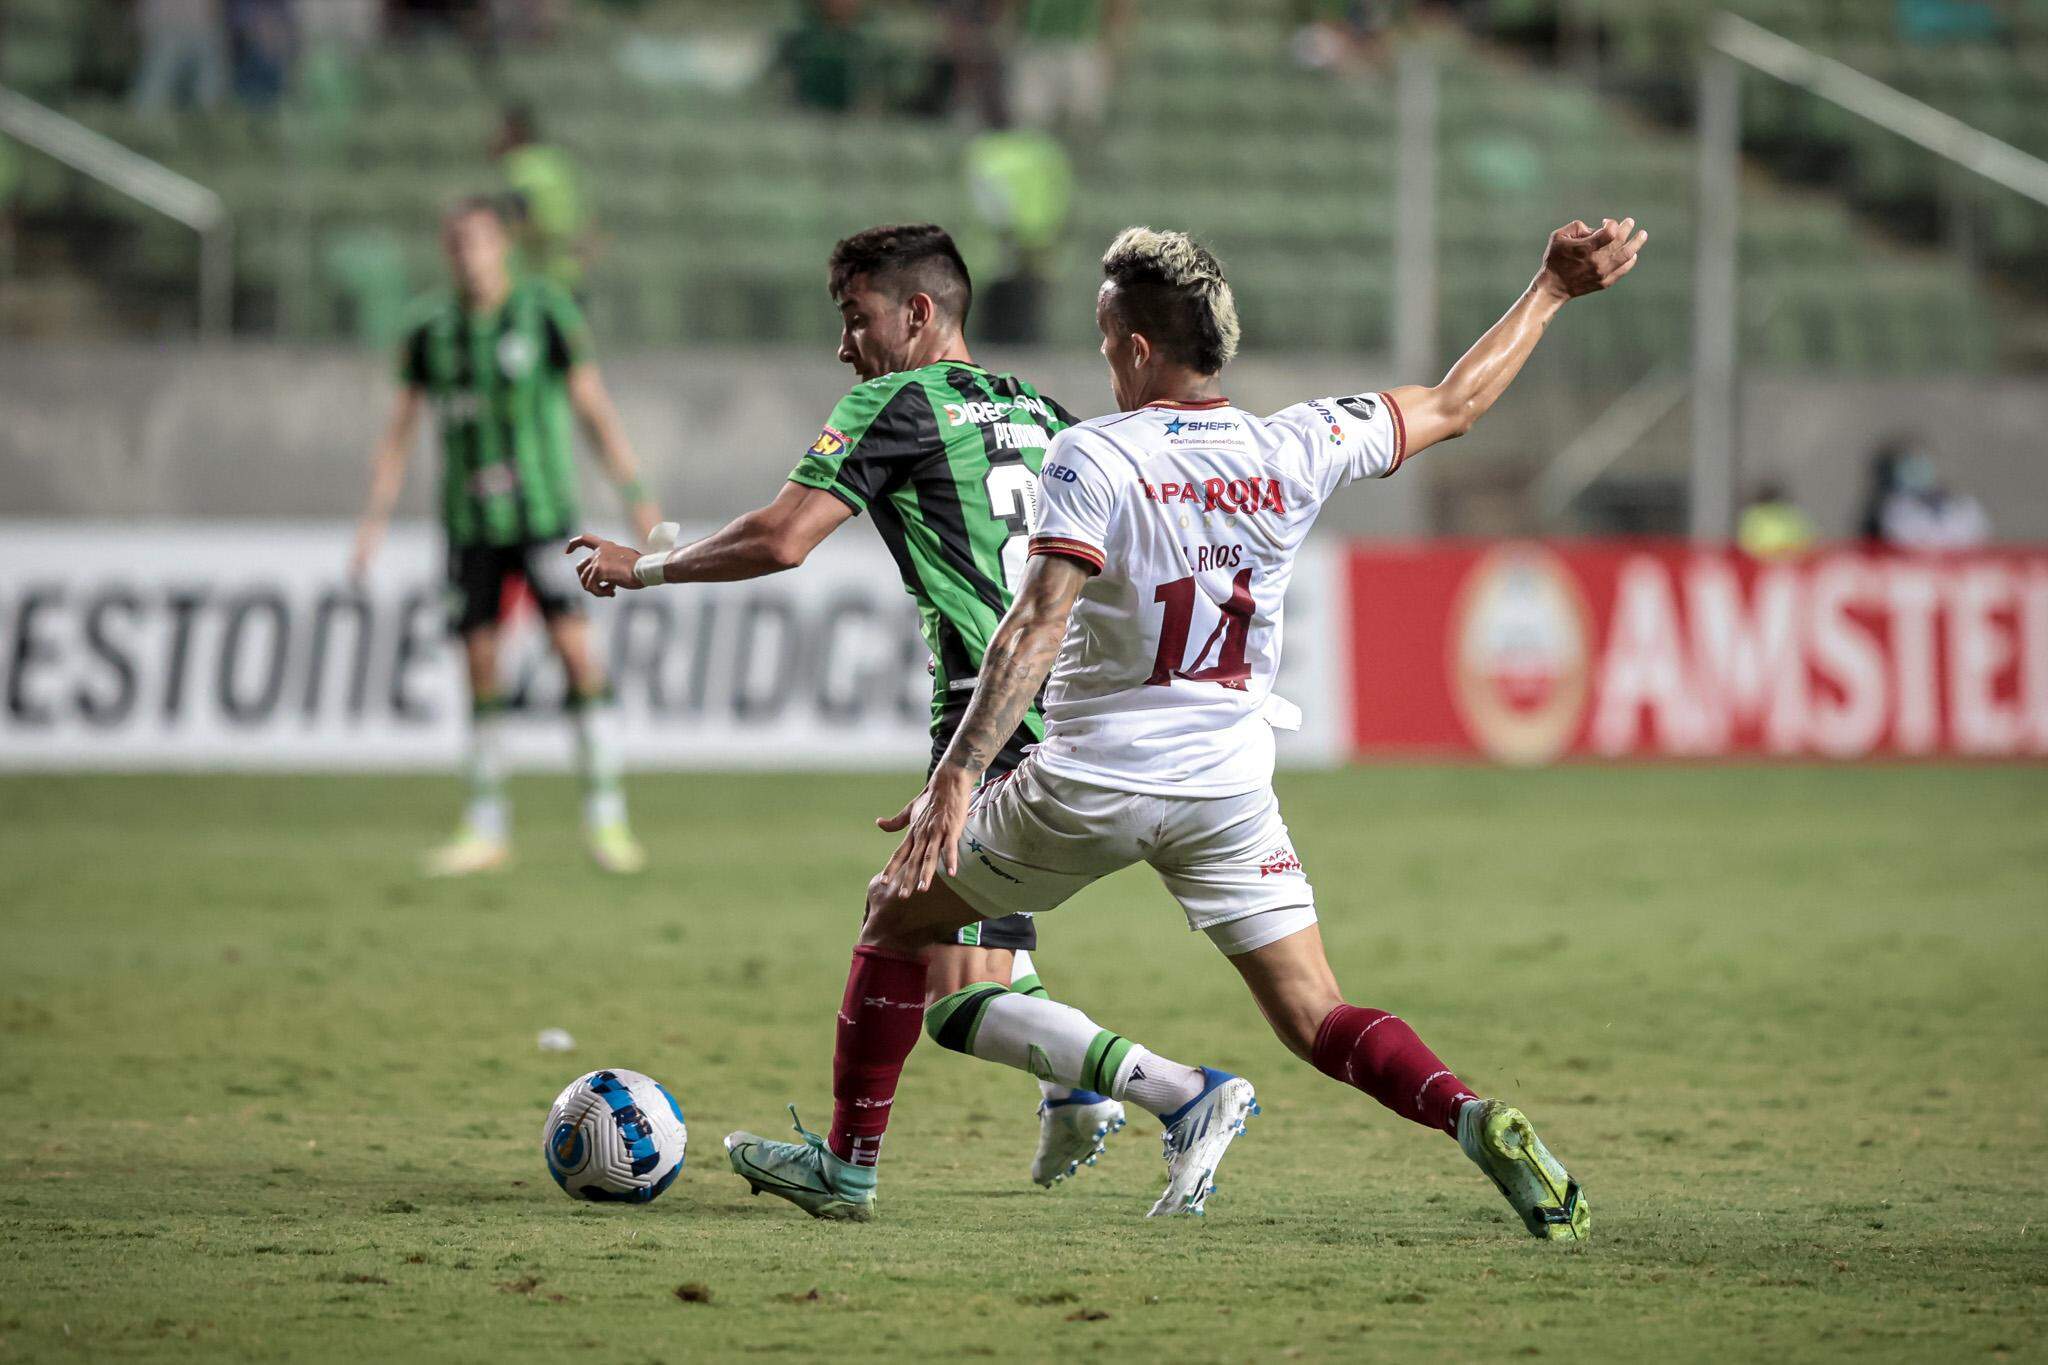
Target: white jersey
[(1192, 515)]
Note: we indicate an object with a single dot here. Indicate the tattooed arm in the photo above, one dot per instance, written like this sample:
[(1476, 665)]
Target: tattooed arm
[(1014, 667)]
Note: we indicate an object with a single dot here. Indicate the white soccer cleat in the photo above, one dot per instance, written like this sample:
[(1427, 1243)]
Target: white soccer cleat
[(1071, 1133), (1197, 1135)]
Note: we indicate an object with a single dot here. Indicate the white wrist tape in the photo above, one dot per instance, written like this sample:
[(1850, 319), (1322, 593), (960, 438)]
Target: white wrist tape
[(651, 569)]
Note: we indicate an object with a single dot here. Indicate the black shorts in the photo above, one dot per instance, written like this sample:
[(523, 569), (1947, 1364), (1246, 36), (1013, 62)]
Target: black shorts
[(477, 575), (1018, 933)]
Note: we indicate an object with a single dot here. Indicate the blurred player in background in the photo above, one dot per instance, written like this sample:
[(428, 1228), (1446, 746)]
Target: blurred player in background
[(1159, 745), (506, 365), (944, 454)]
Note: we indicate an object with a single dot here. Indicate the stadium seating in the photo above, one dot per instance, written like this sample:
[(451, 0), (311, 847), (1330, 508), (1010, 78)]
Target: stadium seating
[(717, 202)]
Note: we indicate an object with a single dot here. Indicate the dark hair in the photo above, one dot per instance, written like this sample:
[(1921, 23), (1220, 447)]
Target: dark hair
[(911, 258), (1171, 288)]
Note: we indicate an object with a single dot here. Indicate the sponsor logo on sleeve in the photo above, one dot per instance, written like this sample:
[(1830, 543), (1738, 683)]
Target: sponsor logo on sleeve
[(1336, 431), (1360, 406), (831, 441)]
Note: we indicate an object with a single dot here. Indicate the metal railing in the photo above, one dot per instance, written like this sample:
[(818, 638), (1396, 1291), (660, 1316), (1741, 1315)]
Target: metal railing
[(1735, 43), (148, 183)]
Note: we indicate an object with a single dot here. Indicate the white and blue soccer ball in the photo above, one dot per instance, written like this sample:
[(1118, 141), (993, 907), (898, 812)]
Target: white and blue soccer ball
[(614, 1135)]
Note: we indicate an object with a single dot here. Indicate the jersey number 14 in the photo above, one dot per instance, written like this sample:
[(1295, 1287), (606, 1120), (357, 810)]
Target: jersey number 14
[(1229, 639)]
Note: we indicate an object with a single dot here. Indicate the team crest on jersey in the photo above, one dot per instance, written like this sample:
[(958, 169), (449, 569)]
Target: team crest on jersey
[(516, 354), (831, 441), (1359, 406)]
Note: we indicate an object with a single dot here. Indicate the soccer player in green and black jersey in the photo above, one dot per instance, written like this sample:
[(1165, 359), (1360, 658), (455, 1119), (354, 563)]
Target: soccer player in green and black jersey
[(943, 455), (506, 365)]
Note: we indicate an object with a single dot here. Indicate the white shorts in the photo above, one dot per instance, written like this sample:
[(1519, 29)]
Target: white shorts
[(1034, 838)]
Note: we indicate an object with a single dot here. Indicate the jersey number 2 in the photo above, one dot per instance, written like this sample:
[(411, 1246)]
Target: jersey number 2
[(1012, 497), (1232, 634)]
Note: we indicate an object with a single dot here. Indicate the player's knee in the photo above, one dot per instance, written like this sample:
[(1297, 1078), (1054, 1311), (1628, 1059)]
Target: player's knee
[(952, 1021)]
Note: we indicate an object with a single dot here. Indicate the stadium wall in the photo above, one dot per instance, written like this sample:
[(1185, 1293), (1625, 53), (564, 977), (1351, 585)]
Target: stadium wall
[(265, 431)]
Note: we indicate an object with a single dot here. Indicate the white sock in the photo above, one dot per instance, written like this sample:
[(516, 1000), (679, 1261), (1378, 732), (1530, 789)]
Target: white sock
[(488, 814), (1058, 1043), (1155, 1083), (597, 756), (1024, 978)]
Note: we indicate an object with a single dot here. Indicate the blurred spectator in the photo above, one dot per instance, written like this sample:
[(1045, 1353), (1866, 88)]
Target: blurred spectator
[(1021, 184), (1344, 36), (1773, 525), (1063, 61), (184, 55), (967, 80), (546, 204), (828, 57), (1908, 509), (263, 38)]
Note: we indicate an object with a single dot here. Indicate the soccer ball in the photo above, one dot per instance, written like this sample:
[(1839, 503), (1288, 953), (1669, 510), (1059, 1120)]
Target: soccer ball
[(614, 1135)]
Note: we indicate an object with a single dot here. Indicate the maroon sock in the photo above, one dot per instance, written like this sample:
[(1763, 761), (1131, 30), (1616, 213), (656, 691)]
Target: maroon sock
[(879, 1021), (1379, 1054)]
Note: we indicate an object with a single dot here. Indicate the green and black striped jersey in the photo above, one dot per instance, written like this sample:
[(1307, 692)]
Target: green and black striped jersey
[(945, 459), (499, 383)]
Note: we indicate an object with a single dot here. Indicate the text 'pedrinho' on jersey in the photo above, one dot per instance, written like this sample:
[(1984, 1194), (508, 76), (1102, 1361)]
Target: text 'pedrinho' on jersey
[(1192, 516)]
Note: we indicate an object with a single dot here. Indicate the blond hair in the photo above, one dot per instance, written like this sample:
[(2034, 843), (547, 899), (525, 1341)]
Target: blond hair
[(1171, 288)]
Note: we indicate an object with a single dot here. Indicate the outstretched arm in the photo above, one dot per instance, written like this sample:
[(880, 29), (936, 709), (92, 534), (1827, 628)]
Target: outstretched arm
[(764, 541), (594, 408), (1579, 260), (387, 477), (1012, 670)]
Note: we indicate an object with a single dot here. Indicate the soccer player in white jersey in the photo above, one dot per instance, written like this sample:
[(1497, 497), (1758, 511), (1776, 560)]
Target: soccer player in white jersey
[(1160, 558)]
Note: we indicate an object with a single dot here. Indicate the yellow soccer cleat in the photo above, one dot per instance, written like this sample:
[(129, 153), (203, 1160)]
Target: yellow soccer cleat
[(613, 848), (468, 854), (1501, 1143)]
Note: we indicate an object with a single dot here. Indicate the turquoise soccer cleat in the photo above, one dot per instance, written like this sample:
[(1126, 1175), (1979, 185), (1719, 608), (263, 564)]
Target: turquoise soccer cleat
[(1197, 1135), (1071, 1133), (1501, 1142), (805, 1173)]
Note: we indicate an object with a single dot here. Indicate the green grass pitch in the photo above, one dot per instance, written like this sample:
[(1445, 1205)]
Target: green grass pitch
[(268, 1095)]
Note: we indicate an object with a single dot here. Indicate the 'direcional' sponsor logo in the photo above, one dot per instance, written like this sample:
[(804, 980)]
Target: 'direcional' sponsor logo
[(1521, 660)]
